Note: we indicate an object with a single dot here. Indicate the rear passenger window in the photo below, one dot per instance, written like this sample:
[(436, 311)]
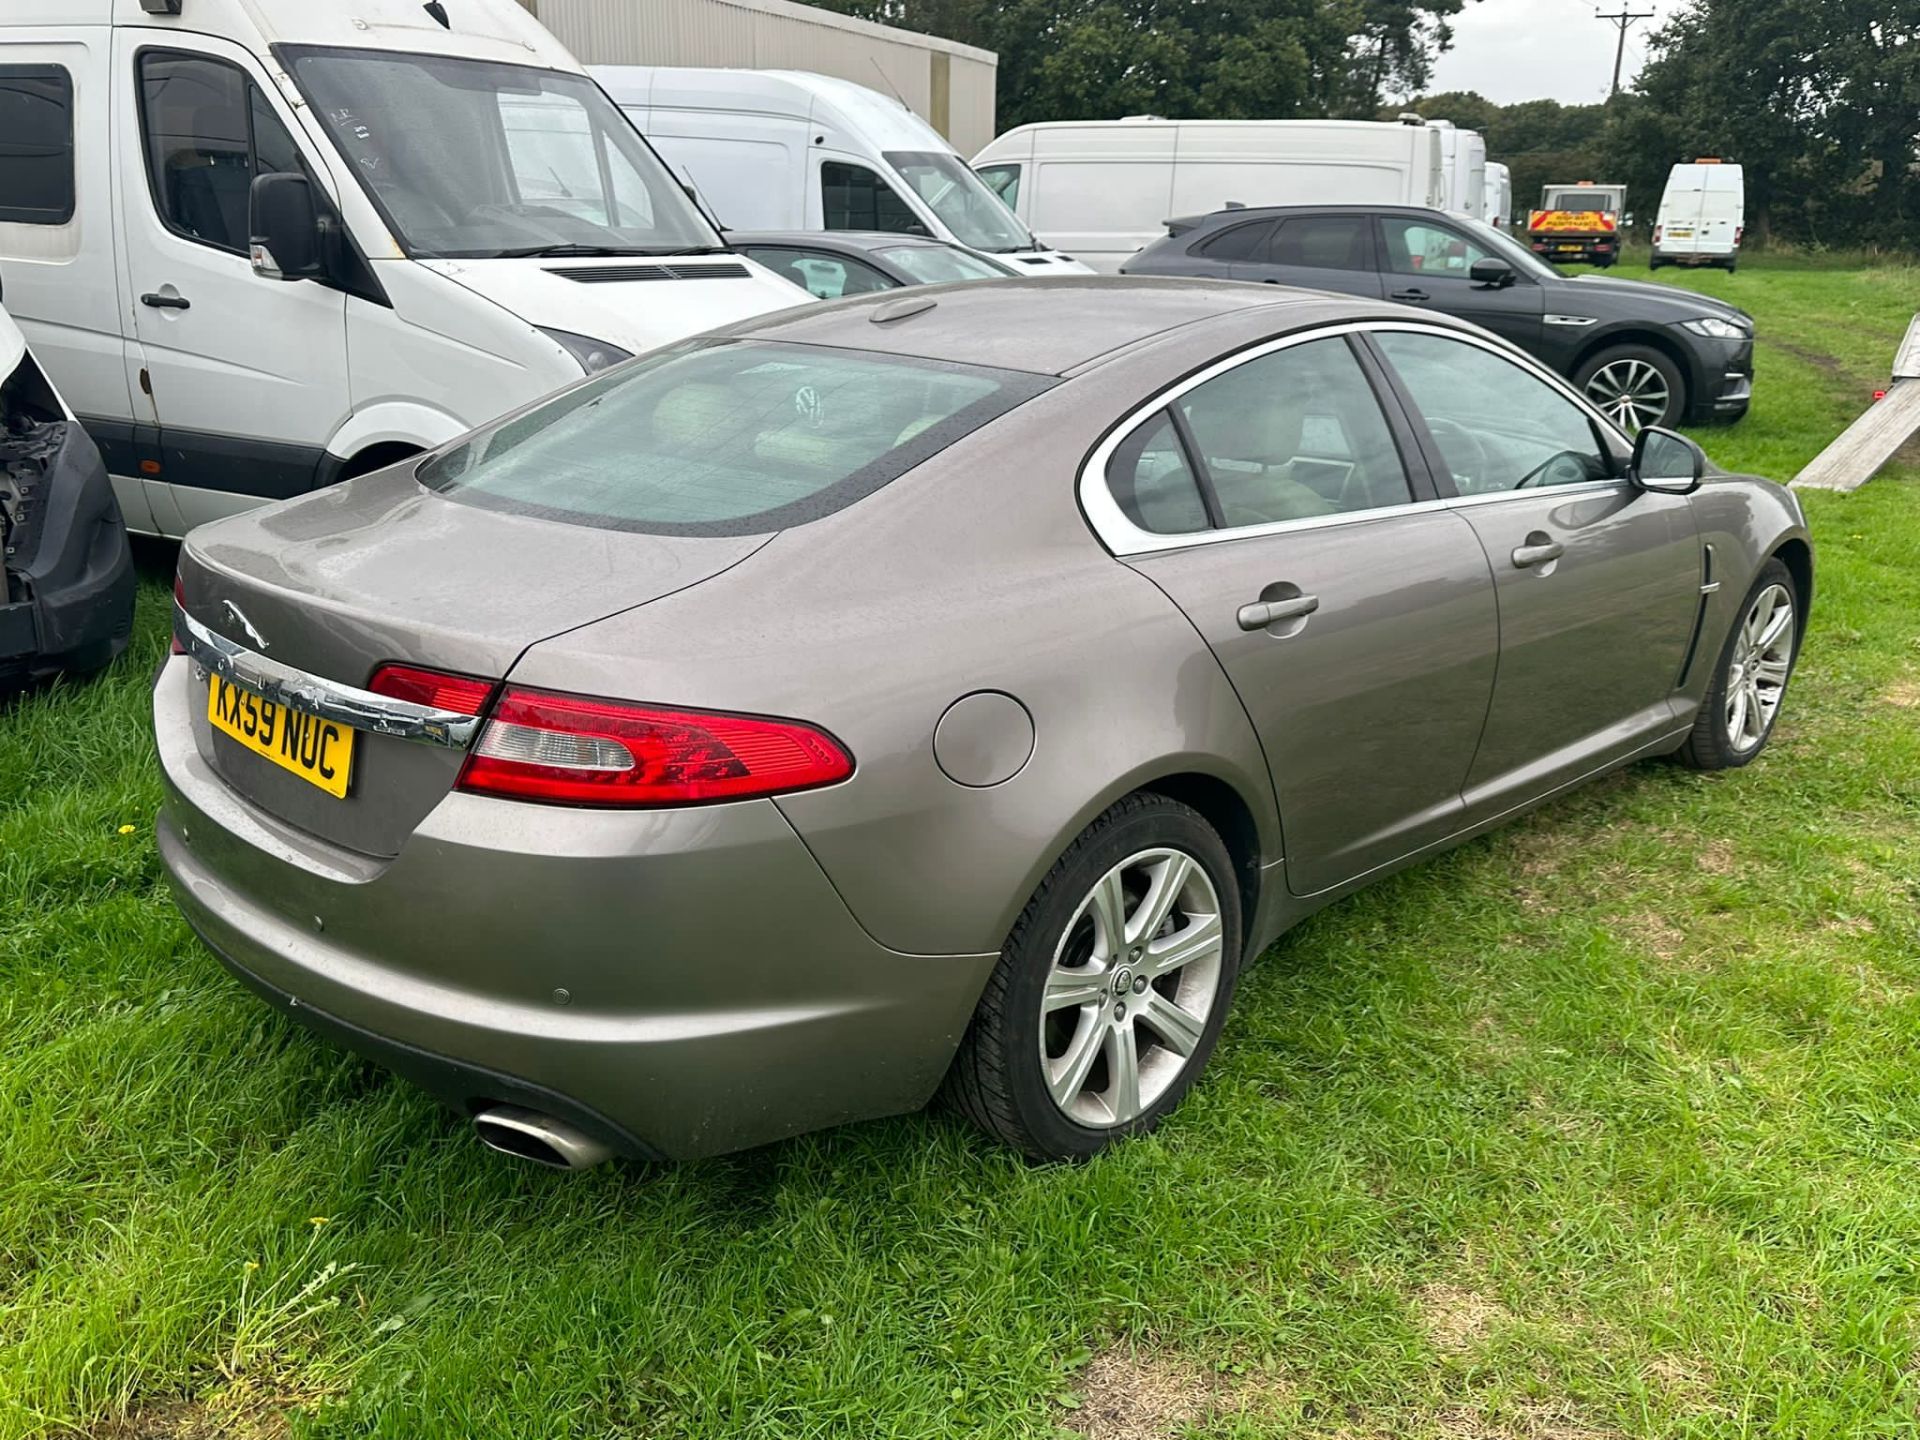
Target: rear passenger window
[(854, 198), (1240, 242), (1322, 242), (209, 130), (1295, 434), (36, 145), (1152, 483)]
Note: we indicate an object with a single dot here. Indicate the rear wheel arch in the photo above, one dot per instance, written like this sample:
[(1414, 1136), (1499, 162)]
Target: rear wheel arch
[(1226, 810)]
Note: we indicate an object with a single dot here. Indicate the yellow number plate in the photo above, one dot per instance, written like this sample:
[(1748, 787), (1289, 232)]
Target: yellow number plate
[(318, 751)]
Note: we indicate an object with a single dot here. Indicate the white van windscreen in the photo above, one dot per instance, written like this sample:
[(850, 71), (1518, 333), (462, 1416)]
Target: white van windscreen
[(976, 216), (469, 159)]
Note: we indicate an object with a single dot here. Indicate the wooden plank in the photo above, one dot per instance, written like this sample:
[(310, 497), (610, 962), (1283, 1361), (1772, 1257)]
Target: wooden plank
[(1906, 360), (1870, 442)]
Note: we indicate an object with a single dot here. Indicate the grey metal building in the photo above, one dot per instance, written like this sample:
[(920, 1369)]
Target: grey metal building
[(948, 84)]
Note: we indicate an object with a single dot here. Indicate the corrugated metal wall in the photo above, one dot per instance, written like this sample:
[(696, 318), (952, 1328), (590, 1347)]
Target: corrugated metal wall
[(949, 84)]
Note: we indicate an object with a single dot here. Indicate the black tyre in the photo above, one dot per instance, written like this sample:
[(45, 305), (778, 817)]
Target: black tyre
[(1654, 262), (1112, 988), (1634, 386), (1750, 676)]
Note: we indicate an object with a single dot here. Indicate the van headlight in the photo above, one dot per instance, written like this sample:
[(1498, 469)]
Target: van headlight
[(593, 355), (1716, 328)]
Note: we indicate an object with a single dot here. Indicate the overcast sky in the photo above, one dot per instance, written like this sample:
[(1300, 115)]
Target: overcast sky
[(1542, 49)]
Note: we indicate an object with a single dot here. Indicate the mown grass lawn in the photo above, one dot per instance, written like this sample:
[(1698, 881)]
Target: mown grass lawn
[(1605, 1125)]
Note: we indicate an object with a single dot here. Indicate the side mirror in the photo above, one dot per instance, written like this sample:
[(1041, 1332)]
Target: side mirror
[(284, 228), (1666, 463), (1492, 272)]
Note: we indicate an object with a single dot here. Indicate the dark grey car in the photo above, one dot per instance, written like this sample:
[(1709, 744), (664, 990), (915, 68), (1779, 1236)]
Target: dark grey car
[(1644, 354), (948, 689)]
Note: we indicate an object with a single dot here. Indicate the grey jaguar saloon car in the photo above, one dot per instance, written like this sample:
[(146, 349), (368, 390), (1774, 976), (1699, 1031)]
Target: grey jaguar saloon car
[(938, 692)]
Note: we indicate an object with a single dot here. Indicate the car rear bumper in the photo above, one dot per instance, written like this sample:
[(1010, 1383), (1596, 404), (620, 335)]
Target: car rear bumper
[(675, 983)]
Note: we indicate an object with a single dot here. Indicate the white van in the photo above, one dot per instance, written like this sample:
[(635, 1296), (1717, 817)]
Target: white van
[(790, 150), (1463, 156), (1102, 189), (1703, 216), (1499, 208), (262, 245)]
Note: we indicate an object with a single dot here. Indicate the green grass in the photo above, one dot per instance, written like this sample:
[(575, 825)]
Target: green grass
[(1604, 1125)]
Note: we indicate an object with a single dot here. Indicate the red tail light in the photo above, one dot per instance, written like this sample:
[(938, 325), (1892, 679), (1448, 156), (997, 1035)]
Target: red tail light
[(180, 602), (568, 750), (461, 694), (1658, 231), (1739, 233)]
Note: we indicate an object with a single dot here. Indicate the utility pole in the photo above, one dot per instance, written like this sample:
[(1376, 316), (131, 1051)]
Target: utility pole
[(1622, 18)]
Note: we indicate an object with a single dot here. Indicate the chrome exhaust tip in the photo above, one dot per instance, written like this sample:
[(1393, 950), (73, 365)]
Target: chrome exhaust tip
[(540, 1138)]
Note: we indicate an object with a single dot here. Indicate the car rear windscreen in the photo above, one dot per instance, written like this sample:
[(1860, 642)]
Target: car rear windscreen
[(737, 437)]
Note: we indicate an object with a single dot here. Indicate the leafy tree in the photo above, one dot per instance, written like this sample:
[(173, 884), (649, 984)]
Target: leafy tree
[(1233, 59), (1818, 99)]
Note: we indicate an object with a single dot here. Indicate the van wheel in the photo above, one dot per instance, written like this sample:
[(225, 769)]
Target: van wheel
[(1111, 990), (1634, 386)]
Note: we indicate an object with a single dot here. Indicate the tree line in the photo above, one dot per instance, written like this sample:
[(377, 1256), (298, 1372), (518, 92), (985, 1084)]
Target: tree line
[(1221, 59), (1818, 99)]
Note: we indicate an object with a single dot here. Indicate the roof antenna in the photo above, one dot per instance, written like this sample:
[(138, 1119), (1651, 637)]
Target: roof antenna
[(887, 81), (438, 12)]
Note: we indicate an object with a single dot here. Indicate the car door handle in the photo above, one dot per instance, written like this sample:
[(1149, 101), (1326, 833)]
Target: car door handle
[(1527, 556), (166, 302), (1262, 613), (1408, 295)]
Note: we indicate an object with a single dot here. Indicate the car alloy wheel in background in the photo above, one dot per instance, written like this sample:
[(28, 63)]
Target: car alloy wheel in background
[(1631, 392)]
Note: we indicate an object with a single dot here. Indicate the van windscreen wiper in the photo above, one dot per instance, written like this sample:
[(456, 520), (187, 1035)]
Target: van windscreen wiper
[(527, 252), (549, 251)]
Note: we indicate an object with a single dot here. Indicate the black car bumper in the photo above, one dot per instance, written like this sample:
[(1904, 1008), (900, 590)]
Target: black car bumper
[(66, 596), (1722, 381)]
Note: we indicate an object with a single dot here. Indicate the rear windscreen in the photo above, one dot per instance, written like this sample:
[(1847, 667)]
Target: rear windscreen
[(725, 438)]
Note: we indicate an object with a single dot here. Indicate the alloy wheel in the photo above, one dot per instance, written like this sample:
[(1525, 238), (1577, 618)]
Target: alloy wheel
[(1757, 673), (1630, 392), (1134, 978)]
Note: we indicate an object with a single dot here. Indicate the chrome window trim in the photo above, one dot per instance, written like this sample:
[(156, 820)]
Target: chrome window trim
[(1123, 538), (314, 695)]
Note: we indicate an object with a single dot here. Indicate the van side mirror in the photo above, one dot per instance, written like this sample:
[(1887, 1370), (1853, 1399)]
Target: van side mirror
[(284, 228), (1666, 463), (1492, 273)]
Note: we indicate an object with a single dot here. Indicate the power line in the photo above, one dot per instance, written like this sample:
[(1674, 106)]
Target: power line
[(1621, 18)]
